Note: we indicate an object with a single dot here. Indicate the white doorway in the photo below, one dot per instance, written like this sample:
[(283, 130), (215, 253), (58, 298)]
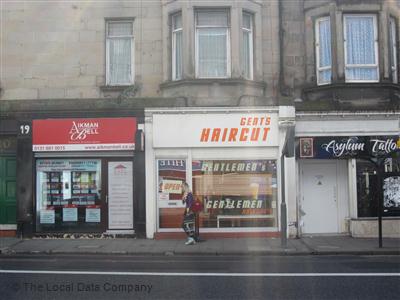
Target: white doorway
[(319, 209)]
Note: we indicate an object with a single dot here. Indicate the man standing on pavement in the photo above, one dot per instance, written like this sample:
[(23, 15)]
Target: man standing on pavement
[(189, 216)]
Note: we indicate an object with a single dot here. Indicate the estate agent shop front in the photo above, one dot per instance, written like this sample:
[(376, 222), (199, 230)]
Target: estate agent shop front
[(230, 160), (84, 174)]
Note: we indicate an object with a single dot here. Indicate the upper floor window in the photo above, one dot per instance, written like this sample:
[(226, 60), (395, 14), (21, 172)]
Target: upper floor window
[(119, 53), (393, 49), (247, 59), (177, 46), (212, 43), (361, 48), (323, 50)]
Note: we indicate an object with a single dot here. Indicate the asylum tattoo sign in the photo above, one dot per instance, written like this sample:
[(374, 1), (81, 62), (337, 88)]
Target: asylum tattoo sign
[(347, 146)]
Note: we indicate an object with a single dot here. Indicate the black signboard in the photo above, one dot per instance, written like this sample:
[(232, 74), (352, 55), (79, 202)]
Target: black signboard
[(344, 147)]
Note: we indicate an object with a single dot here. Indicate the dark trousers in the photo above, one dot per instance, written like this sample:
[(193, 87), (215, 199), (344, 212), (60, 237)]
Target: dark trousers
[(189, 227), (192, 229), (196, 226)]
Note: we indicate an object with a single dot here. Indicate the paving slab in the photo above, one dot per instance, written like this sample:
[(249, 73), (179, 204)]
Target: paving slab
[(349, 245), (243, 246), (6, 243)]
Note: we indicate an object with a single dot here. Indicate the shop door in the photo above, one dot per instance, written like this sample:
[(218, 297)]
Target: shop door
[(120, 195), (319, 205), (7, 190)]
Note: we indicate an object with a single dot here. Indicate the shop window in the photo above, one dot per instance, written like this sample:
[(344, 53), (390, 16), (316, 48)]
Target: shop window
[(393, 49), (212, 43), (323, 50), (68, 195), (177, 46), (119, 53), (361, 48), (171, 175), (247, 29), (367, 188), (236, 194)]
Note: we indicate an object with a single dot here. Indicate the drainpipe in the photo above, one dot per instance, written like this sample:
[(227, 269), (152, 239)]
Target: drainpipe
[(281, 77), (283, 205), (288, 151), (281, 46)]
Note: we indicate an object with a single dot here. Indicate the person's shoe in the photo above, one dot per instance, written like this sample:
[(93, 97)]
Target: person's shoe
[(190, 241)]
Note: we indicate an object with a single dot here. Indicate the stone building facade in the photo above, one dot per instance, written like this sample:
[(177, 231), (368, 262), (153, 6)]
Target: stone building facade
[(340, 66), (140, 59)]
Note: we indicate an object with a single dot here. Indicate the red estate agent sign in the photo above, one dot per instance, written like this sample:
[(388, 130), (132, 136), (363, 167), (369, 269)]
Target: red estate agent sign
[(102, 134)]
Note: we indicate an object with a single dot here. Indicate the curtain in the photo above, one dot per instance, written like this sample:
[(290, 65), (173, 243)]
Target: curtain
[(120, 29), (393, 49), (212, 52), (177, 46), (178, 54), (120, 61), (360, 48), (247, 44), (217, 18), (325, 55), (246, 53)]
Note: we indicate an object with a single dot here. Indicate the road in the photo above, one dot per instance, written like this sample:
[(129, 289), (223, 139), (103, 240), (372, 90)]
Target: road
[(199, 277)]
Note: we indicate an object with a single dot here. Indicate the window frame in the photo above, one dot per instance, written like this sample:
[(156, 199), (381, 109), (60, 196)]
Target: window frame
[(317, 48), (274, 200), (179, 204), (108, 38), (251, 45), (393, 42), (228, 42), (376, 49), (173, 46)]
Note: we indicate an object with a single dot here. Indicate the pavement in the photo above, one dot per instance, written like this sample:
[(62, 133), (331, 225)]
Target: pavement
[(312, 245)]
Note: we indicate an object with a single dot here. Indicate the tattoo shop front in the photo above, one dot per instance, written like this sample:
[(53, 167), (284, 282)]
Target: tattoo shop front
[(339, 182), (84, 175), (229, 159)]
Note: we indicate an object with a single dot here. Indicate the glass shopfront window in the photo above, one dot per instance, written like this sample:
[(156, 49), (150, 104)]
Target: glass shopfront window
[(367, 188), (236, 193), (171, 175), (68, 195)]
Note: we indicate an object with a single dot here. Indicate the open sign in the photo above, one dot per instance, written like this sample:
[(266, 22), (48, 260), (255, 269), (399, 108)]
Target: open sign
[(172, 186)]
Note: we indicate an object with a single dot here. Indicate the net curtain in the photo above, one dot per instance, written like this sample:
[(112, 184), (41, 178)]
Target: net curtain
[(360, 48)]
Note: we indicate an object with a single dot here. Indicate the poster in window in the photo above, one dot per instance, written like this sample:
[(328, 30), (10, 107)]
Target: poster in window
[(306, 147), (47, 216), (391, 192), (70, 214), (92, 215)]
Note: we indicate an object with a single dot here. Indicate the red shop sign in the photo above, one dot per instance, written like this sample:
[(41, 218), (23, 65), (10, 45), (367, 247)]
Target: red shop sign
[(100, 134)]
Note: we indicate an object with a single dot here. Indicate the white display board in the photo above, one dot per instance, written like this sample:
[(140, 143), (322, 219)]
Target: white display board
[(70, 214), (215, 130), (92, 215), (120, 195), (47, 216)]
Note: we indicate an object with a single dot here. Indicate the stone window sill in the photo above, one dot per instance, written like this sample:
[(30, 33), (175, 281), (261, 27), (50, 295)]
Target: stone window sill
[(207, 81), (115, 88)]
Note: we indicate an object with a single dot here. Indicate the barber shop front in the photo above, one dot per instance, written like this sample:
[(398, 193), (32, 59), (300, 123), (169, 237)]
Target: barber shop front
[(230, 160), (84, 175)]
